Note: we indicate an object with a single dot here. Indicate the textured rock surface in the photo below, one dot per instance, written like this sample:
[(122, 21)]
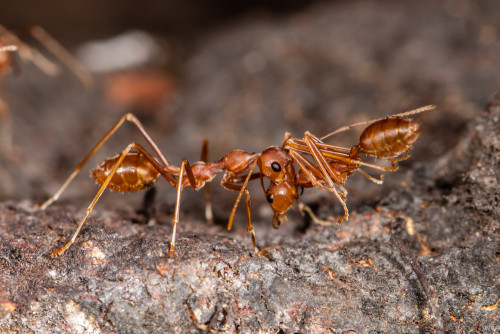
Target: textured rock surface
[(350, 277)]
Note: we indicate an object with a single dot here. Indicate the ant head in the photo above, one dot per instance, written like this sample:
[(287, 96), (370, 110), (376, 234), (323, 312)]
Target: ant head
[(276, 164), (281, 196)]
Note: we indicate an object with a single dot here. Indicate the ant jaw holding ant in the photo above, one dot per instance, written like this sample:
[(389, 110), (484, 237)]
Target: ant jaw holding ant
[(278, 219), (281, 197)]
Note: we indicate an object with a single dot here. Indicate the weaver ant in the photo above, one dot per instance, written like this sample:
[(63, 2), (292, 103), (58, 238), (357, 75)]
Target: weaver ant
[(327, 168), (29, 54), (9, 42), (5, 66)]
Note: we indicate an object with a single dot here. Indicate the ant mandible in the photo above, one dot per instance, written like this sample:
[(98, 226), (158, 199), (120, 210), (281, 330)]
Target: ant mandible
[(321, 165)]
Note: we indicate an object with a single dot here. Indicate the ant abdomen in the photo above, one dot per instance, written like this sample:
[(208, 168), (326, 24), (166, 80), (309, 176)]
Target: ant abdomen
[(389, 138), (135, 173)]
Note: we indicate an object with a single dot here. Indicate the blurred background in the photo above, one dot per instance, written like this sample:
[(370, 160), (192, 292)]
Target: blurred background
[(239, 74)]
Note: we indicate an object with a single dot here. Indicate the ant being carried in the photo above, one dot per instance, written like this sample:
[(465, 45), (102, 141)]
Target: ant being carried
[(321, 166)]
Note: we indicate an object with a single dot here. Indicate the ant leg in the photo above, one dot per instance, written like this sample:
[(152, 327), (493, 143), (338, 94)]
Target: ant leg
[(309, 169), (346, 211), (332, 151), (249, 223), (166, 175), (27, 53), (171, 252), (286, 138), (226, 184), (404, 157), (209, 216), (300, 160), (394, 161), (326, 151), (185, 166), (243, 188), (128, 117), (94, 201), (64, 56), (380, 179), (328, 174), (304, 208), (336, 152), (104, 185), (54, 198)]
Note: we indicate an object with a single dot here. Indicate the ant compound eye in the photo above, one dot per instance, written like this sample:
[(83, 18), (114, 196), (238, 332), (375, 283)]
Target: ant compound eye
[(276, 167), (270, 198)]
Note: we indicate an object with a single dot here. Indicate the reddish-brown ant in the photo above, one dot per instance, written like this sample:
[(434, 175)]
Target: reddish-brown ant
[(321, 165), (5, 67), (9, 42), (30, 54)]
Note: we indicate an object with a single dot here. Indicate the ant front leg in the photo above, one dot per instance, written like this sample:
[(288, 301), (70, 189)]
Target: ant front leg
[(226, 183)]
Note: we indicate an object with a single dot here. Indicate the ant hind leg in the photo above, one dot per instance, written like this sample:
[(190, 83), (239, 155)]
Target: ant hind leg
[(94, 201)]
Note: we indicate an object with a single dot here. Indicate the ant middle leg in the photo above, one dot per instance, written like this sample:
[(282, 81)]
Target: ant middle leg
[(228, 184), (185, 167)]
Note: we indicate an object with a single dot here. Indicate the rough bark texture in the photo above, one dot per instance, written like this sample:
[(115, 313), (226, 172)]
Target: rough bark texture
[(420, 254)]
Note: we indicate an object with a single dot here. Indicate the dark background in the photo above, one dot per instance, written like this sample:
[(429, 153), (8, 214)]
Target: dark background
[(325, 64), (77, 21)]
